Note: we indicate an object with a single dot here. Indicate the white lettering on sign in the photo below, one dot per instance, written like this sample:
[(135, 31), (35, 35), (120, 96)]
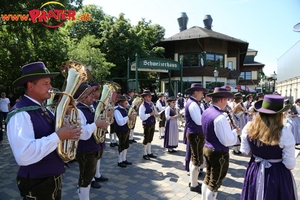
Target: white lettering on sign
[(159, 64)]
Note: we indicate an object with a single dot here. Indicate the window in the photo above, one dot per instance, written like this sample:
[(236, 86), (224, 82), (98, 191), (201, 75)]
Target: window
[(214, 60), (246, 76), (194, 60), (230, 65), (191, 60)]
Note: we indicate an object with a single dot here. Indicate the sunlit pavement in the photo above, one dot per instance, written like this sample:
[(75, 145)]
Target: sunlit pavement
[(162, 178)]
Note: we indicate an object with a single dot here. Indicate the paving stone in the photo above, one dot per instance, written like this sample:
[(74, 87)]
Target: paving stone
[(163, 178)]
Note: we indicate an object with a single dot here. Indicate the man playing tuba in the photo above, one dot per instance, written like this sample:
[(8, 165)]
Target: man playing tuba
[(33, 139), (88, 151)]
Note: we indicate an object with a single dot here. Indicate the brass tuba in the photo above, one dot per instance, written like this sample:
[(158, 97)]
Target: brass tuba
[(104, 104), (66, 110), (131, 111)]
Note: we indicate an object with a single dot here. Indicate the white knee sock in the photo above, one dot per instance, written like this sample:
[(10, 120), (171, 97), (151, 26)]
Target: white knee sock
[(194, 172), (131, 134), (110, 138), (149, 148), (203, 191), (124, 154), (97, 174), (209, 194), (84, 193), (162, 131), (145, 149), (120, 157)]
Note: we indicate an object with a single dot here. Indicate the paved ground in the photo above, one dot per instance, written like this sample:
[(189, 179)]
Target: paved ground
[(162, 178)]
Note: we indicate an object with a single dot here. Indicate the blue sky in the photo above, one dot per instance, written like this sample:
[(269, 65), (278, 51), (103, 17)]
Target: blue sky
[(267, 25)]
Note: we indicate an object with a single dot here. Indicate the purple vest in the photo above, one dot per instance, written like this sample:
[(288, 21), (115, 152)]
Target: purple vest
[(90, 144), (208, 117), (191, 126), (148, 107), (180, 103), (50, 165), (124, 114)]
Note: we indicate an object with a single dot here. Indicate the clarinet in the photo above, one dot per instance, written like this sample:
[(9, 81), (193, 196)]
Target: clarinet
[(229, 116)]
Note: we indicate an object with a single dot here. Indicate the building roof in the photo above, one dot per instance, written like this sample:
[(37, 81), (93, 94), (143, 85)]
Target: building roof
[(196, 32)]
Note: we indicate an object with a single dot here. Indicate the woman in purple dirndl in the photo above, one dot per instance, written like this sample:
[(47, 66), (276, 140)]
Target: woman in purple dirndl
[(272, 149), (172, 132)]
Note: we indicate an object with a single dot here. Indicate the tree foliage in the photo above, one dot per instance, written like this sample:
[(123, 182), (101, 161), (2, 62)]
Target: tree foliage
[(86, 52), (105, 42)]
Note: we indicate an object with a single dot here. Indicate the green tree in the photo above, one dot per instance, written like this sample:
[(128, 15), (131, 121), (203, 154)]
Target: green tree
[(86, 52)]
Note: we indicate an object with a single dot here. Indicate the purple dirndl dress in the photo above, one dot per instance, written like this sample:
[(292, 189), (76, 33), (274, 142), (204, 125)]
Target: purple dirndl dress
[(278, 180), (171, 132)]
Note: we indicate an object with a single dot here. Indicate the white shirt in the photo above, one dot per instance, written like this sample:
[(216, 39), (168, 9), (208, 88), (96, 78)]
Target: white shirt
[(120, 120), (159, 106), (4, 104), (286, 142), (195, 112), (87, 129), (223, 131)]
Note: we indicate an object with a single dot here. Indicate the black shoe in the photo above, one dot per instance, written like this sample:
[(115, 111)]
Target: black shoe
[(130, 141), (236, 153), (133, 141), (146, 157), (112, 144), (127, 163), (174, 151), (101, 179), (116, 144), (170, 150), (152, 155), (197, 188), (95, 184), (121, 164)]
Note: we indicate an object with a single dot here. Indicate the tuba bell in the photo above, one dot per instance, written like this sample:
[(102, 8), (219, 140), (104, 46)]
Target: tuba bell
[(135, 102), (104, 104), (66, 110)]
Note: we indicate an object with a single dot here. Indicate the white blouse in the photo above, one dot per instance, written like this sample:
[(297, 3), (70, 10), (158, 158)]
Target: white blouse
[(287, 143)]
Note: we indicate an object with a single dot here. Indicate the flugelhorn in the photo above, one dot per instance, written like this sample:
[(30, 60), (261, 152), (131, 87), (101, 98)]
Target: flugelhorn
[(66, 110), (103, 108), (131, 111)]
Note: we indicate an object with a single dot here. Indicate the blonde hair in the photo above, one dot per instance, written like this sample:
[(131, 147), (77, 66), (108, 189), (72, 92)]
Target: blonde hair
[(266, 128)]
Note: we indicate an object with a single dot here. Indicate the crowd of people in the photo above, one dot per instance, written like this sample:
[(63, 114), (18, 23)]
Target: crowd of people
[(214, 122)]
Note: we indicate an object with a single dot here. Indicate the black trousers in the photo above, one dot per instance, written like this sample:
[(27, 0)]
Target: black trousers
[(123, 140), (148, 133), (48, 188), (87, 166)]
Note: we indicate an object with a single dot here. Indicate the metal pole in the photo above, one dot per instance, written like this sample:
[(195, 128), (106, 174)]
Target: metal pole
[(136, 72), (128, 68), (181, 72)]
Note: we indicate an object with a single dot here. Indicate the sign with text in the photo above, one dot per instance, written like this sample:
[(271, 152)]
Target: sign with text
[(148, 69), (159, 64)]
